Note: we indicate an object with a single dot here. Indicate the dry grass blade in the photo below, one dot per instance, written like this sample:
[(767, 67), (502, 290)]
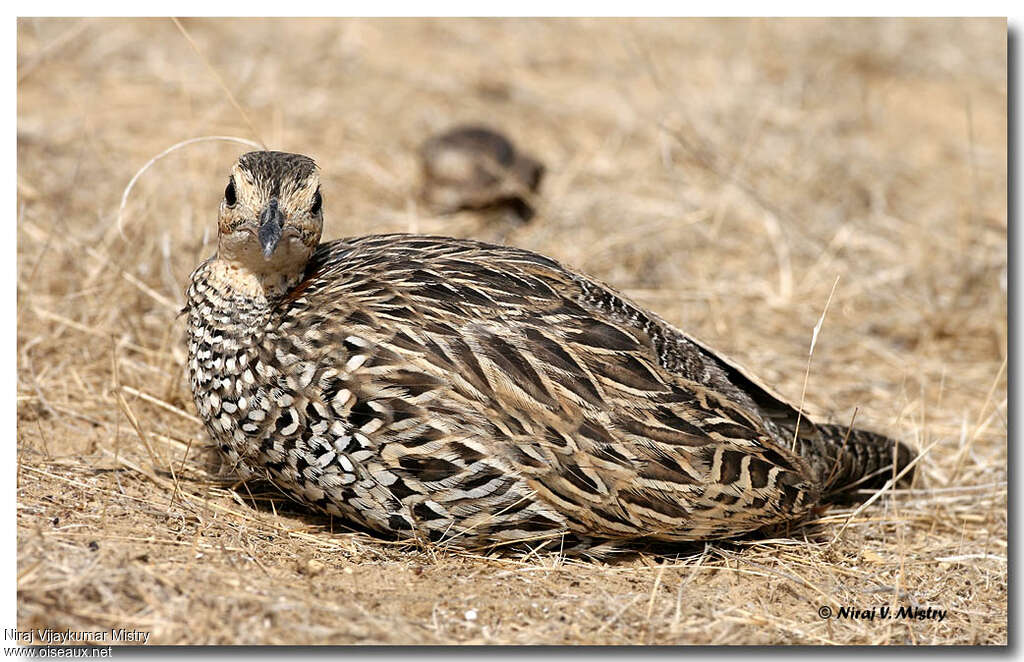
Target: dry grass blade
[(220, 81), (810, 355), (970, 440), (162, 404), (51, 49), (885, 488), (169, 150)]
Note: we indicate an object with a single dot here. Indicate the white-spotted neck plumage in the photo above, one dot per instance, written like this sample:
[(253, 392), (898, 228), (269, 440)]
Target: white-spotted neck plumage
[(470, 394)]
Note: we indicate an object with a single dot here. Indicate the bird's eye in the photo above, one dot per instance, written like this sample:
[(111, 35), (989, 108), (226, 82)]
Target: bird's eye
[(317, 203), (229, 194)]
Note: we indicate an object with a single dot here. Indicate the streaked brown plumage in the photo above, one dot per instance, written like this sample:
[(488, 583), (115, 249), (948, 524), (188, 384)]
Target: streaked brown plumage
[(474, 167), (455, 391)]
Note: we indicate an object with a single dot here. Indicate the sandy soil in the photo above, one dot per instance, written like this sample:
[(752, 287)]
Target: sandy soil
[(723, 173)]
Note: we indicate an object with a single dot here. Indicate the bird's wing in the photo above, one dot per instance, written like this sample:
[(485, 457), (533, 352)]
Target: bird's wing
[(573, 385)]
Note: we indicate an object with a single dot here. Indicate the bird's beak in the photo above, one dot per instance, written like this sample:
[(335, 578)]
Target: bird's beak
[(271, 222)]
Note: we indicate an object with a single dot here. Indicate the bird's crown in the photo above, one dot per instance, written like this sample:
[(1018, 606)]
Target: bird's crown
[(269, 170)]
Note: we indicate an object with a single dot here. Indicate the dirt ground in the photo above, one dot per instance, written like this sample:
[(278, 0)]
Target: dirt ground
[(724, 173)]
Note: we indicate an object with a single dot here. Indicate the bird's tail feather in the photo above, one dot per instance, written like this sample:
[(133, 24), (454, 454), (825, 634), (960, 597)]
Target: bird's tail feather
[(849, 459)]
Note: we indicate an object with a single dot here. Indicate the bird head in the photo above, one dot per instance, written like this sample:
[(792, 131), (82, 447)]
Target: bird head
[(271, 216)]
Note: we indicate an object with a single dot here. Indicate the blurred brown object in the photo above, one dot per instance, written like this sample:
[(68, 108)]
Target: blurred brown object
[(475, 167)]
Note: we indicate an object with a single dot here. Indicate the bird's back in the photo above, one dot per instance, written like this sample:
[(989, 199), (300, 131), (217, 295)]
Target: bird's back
[(489, 392)]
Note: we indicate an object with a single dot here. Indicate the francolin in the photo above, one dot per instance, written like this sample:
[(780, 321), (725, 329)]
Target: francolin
[(474, 167), (453, 391)]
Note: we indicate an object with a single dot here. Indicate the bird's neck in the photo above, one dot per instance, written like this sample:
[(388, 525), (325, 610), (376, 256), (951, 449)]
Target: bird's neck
[(264, 288), (225, 300)]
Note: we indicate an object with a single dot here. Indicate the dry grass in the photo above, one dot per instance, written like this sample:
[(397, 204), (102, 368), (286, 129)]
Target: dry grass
[(724, 173)]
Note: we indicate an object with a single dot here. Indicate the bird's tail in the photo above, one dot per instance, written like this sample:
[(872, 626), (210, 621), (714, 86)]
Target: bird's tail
[(848, 459)]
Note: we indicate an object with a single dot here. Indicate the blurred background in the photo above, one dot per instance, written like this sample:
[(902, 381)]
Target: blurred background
[(723, 173)]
